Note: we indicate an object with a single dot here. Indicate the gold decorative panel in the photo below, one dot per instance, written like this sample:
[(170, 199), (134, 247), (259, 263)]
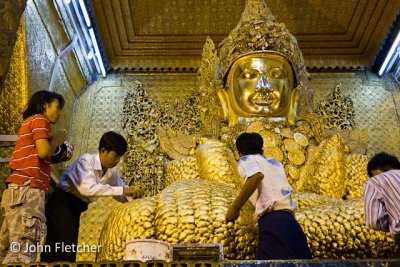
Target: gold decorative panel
[(91, 224), (375, 106), (107, 113), (168, 86), (99, 110), (91, 121), (169, 35), (143, 117)]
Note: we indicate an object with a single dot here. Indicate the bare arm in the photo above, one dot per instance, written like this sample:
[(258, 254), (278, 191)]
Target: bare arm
[(46, 148), (248, 189)]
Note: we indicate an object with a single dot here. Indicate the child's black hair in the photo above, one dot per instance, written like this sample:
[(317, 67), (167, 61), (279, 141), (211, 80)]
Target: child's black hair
[(384, 162), (112, 141), (38, 100), (249, 144)]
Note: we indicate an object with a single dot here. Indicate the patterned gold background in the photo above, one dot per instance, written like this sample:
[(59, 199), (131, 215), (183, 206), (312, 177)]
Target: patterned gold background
[(99, 109), (376, 104)]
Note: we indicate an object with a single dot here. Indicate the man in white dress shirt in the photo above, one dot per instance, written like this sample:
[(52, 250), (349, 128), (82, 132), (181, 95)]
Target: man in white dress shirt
[(280, 235), (89, 177)]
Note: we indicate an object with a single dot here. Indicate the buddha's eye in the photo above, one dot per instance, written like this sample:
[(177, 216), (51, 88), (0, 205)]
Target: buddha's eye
[(249, 74), (275, 73)]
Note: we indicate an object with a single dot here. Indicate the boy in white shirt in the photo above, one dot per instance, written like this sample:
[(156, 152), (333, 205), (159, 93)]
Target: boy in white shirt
[(89, 177), (280, 235)]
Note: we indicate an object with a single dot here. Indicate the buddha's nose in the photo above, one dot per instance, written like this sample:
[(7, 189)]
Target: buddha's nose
[(264, 84)]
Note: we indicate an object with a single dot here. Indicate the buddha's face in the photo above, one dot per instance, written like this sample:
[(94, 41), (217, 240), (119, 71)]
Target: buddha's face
[(260, 85)]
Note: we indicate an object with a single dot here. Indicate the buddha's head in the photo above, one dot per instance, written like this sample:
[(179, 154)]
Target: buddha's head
[(261, 85), (262, 68)]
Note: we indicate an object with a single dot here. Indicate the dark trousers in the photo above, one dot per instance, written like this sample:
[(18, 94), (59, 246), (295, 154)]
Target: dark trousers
[(63, 211), (281, 237)]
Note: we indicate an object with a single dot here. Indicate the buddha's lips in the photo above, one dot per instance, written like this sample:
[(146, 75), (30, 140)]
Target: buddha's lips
[(263, 99)]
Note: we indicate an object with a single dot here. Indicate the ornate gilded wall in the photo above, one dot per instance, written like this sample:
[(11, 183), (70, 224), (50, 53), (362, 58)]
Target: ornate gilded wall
[(100, 107), (376, 103)]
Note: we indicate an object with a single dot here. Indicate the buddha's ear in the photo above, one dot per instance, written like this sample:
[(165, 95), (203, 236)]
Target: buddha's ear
[(294, 100), (222, 94)]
